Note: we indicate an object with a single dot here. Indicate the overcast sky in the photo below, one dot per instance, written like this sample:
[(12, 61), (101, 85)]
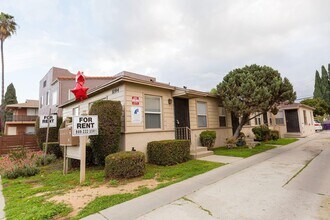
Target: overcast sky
[(187, 43)]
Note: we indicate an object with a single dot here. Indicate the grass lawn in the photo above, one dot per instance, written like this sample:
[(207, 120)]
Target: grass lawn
[(242, 151), (27, 198), (282, 141)]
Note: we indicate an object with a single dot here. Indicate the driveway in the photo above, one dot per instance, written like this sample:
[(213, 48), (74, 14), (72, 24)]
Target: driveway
[(290, 182), (291, 185)]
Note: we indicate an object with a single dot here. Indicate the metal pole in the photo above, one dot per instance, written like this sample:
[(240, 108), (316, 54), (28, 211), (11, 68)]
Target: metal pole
[(47, 134)]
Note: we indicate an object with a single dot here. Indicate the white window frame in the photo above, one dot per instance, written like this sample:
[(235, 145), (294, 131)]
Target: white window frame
[(70, 95), (54, 98), (73, 111), (32, 131), (41, 101), (257, 119), (160, 113), (48, 97), (280, 117), (201, 115), (31, 112)]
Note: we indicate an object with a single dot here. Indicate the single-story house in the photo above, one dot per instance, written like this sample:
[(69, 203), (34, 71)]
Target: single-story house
[(157, 111)]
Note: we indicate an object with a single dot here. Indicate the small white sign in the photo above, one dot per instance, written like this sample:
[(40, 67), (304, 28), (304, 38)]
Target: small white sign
[(136, 115), (73, 152), (44, 119), (85, 125)]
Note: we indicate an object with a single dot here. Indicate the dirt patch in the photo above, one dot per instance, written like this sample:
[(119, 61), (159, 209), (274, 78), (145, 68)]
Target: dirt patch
[(324, 211), (79, 197)]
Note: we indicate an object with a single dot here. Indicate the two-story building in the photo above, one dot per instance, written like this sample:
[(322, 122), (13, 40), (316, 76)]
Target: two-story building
[(23, 119), (54, 89)]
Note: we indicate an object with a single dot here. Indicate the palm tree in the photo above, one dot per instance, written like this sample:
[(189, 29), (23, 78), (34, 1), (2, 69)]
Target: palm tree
[(7, 28)]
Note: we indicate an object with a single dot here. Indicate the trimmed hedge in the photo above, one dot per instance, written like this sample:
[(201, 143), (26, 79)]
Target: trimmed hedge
[(168, 152), (208, 138), (127, 164), (41, 132), (107, 142), (53, 148)]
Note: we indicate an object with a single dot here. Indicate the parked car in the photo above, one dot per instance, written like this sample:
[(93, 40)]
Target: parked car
[(318, 126)]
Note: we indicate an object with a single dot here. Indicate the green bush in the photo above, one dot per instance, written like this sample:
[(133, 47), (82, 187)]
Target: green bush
[(274, 135), (21, 171), (50, 158), (41, 132), (208, 138), (53, 148), (168, 152), (127, 164), (107, 142), (262, 133)]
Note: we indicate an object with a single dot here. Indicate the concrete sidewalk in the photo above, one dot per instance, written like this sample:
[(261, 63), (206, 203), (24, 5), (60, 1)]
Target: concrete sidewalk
[(142, 205)]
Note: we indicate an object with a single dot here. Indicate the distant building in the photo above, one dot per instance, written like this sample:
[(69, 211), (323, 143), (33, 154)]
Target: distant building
[(54, 89), (23, 119)]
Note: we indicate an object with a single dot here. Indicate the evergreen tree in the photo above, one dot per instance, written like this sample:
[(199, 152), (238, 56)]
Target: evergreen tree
[(10, 98), (322, 85)]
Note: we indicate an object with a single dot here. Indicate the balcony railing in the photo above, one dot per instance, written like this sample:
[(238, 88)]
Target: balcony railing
[(21, 118)]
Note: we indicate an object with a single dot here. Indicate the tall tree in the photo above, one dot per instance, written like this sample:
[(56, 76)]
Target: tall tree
[(254, 89), (10, 98), (322, 85), (7, 29)]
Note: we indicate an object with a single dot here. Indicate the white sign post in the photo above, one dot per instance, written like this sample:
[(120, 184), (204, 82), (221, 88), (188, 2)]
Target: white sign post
[(47, 121), (83, 126)]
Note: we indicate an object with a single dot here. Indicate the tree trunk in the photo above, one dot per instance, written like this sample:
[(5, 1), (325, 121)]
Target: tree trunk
[(2, 89), (245, 119)]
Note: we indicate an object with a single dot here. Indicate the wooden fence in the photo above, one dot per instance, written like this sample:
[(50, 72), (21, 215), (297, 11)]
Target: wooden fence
[(12, 142)]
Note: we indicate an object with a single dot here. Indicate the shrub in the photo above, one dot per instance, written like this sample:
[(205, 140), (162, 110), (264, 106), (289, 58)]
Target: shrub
[(107, 142), (127, 164), (208, 138), (53, 148), (20, 163), (274, 135), (49, 158), (262, 133), (41, 132), (168, 152)]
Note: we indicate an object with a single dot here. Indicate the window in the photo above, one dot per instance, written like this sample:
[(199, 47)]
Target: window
[(54, 98), (41, 101), (32, 112), (70, 95), (257, 119), (222, 117), (30, 130), (47, 97), (305, 117), (270, 121), (201, 114), (44, 83), (279, 118), (153, 112), (75, 111)]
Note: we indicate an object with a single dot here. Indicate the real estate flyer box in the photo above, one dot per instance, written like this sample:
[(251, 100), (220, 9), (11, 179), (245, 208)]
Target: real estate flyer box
[(66, 138)]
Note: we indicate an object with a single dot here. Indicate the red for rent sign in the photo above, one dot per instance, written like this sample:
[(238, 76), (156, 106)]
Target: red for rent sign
[(135, 100)]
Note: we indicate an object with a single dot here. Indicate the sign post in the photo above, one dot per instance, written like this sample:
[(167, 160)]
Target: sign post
[(47, 121), (83, 126)]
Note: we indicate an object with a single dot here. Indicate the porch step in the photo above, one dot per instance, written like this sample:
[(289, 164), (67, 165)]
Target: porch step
[(200, 152), (293, 135)]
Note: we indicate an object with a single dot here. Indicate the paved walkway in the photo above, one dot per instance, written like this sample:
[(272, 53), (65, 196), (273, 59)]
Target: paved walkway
[(221, 159), (222, 200)]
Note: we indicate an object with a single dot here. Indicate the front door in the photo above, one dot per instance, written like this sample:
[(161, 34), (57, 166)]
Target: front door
[(292, 120), (181, 112)]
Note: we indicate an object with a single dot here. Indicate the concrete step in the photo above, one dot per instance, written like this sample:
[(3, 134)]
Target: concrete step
[(200, 154), (293, 135), (198, 149)]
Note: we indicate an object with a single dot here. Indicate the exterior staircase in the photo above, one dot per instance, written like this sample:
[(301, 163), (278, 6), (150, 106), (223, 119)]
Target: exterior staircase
[(199, 152)]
